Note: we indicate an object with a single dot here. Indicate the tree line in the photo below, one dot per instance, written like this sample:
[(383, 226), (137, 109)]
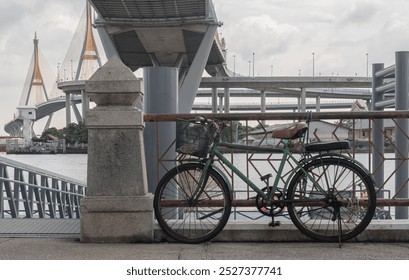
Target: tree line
[(73, 133)]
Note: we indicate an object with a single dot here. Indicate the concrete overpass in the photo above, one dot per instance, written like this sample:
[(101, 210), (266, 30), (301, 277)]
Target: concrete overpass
[(181, 34), (272, 83), (298, 87), (256, 106)]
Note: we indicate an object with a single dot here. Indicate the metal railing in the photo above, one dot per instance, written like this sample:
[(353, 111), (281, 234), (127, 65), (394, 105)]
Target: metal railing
[(359, 125), (390, 90), (30, 192)]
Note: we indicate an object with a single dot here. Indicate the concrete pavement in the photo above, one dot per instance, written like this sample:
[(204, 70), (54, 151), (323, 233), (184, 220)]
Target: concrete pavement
[(58, 239), (73, 249)]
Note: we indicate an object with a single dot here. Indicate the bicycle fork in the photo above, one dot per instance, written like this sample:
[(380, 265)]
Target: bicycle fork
[(192, 201)]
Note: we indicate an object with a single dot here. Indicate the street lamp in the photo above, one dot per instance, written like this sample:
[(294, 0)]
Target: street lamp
[(313, 64), (253, 64), (249, 67), (367, 65), (72, 70), (271, 70), (234, 65)]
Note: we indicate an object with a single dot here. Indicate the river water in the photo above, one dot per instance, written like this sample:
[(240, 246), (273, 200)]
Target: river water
[(70, 165), (75, 165)]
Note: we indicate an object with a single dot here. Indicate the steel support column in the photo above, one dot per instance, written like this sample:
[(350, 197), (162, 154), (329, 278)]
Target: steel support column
[(402, 152), (377, 130)]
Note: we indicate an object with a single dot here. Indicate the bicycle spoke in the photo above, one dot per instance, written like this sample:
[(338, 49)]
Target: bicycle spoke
[(339, 186), (189, 212)]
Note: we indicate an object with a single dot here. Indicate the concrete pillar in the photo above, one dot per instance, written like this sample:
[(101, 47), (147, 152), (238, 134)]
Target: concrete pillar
[(85, 103), (303, 100), (77, 113), (161, 97), (118, 207), (214, 100), (318, 104), (107, 43), (221, 104), (67, 109), (263, 104), (188, 89), (227, 100)]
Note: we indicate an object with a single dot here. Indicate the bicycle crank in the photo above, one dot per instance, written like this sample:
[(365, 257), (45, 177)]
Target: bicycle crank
[(266, 208)]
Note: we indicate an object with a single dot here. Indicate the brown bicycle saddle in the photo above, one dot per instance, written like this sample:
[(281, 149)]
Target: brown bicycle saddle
[(292, 131)]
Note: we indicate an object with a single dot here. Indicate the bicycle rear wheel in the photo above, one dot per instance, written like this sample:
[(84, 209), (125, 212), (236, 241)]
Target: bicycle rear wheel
[(186, 213), (341, 210)]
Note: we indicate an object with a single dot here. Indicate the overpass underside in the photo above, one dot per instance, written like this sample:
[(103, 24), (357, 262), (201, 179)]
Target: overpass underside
[(181, 34)]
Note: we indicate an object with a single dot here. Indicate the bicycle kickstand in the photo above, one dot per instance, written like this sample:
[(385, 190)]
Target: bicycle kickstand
[(273, 223), (337, 216)]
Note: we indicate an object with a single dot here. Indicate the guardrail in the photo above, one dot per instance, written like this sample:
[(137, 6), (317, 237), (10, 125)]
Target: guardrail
[(360, 126), (30, 192)]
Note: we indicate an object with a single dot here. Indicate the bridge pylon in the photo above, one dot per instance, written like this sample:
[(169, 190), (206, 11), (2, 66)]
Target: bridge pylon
[(79, 65), (34, 93)]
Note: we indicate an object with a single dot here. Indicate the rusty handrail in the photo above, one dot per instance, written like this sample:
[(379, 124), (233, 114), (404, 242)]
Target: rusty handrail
[(281, 116)]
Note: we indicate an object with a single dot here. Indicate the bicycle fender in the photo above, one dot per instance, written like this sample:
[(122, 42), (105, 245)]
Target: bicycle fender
[(224, 176), (329, 155)]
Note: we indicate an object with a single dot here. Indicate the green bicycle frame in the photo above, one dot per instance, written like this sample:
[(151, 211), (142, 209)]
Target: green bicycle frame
[(215, 152)]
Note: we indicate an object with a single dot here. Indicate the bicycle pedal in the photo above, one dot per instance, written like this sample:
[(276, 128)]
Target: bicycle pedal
[(274, 224)]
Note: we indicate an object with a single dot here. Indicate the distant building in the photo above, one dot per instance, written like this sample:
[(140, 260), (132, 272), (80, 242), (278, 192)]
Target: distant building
[(362, 129), (321, 131), (5, 142)]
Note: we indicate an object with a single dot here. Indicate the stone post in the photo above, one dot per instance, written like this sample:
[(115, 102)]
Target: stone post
[(117, 207)]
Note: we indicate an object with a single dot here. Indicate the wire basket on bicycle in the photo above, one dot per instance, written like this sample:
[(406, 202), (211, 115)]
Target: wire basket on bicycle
[(194, 138)]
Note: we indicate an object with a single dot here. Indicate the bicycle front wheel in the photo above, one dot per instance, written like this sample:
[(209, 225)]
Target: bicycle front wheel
[(188, 213), (334, 202)]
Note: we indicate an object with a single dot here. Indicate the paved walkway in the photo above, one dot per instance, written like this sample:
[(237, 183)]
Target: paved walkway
[(72, 249), (58, 239)]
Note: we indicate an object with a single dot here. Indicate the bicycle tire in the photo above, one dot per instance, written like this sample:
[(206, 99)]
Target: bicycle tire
[(340, 212), (192, 222)]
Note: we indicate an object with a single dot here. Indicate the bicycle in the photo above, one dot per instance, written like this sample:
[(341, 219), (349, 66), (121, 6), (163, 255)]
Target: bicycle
[(329, 196)]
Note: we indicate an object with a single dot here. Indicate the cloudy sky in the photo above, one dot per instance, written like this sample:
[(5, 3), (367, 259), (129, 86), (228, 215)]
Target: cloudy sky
[(280, 33)]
